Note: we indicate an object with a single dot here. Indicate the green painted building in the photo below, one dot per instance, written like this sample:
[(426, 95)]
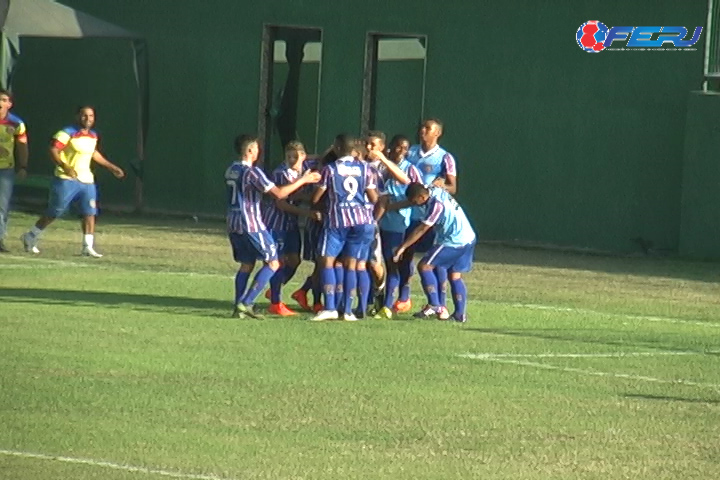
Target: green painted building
[(554, 145)]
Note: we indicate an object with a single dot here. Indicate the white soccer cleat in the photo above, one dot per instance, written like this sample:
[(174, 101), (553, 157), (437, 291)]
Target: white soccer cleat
[(324, 315), (89, 252), (30, 243), (443, 313), (349, 317)]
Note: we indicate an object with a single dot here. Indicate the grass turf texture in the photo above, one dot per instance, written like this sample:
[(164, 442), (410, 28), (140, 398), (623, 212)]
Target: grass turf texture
[(133, 359)]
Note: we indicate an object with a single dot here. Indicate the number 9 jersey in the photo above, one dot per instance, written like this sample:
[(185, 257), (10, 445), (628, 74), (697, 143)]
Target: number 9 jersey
[(346, 181)]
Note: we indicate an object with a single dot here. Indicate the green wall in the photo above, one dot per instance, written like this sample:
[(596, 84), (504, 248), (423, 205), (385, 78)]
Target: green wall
[(554, 145)]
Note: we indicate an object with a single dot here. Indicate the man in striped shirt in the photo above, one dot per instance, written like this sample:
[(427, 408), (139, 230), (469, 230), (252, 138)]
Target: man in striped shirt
[(281, 218), (249, 237), (348, 185)]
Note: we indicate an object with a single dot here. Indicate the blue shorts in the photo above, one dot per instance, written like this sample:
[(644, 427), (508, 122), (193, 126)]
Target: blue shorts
[(390, 242), (311, 239), (249, 247), (287, 241), (426, 241), (454, 259), (353, 242), (65, 192)]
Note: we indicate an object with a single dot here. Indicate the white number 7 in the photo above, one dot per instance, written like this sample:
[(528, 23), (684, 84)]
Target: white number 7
[(232, 184)]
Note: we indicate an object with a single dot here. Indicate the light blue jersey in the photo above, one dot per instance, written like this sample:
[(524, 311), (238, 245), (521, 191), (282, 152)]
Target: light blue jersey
[(452, 227), (436, 162), (399, 220)]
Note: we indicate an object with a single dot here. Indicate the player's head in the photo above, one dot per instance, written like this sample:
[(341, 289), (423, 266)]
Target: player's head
[(344, 146), (85, 116), (295, 153), (417, 193), (247, 147), (399, 146), (332, 153), (430, 131), (360, 149), (5, 102), (376, 141)]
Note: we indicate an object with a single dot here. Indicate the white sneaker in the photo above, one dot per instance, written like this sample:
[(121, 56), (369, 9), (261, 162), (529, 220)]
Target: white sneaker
[(30, 243), (443, 314), (349, 317), (89, 252), (324, 315)]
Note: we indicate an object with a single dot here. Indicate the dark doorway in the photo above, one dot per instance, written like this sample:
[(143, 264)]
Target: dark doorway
[(289, 89), (394, 83)]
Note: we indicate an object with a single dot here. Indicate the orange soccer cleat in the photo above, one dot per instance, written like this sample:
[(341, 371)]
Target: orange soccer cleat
[(403, 307), (281, 309), (300, 296)]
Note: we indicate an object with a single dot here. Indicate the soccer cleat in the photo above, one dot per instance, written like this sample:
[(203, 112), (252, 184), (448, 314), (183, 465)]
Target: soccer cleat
[(238, 312), (428, 311), (359, 313), (300, 296), (30, 243), (281, 309), (3, 248), (249, 311), (349, 317), (325, 315), (443, 314), (459, 318), (90, 252), (385, 313), (403, 307), (318, 307)]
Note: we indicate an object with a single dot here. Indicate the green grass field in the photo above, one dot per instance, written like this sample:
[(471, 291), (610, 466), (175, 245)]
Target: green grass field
[(571, 366)]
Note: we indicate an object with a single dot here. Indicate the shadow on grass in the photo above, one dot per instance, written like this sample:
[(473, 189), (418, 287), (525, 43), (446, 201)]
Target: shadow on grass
[(564, 335), (664, 398), (129, 301)]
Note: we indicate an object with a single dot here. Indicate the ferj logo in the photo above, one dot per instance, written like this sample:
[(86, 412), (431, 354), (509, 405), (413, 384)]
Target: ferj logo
[(594, 36)]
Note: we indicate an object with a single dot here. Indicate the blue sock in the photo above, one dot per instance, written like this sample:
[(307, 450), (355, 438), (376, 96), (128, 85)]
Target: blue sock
[(259, 282), (393, 282), (307, 285), (442, 278), (405, 272), (350, 291), (339, 288), (429, 283), (459, 293), (276, 283), (327, 279), (288, 272), (363, 285), (241, 281)]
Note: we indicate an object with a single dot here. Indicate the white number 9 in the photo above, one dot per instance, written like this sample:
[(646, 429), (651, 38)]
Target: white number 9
[(350, 184)]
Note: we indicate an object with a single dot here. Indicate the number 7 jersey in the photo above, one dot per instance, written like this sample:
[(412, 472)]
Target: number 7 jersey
[(345, 182)]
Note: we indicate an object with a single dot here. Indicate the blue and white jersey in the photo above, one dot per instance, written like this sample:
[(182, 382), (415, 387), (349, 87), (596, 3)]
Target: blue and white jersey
[(452, 227), (245, 187), (275, 219), (345, 182), (399, 220), (436, 162)]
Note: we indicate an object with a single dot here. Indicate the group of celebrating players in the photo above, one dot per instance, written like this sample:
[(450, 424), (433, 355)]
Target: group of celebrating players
[(367, 208)]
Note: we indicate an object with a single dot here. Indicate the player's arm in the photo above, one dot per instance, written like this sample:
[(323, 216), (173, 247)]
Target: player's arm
[(448, 179), (55, 149), (395, 172), (399, 205), (98, 158), (285, 190), (435, 209), (322, 186), (295, 210), (381, 207), (21, 152)]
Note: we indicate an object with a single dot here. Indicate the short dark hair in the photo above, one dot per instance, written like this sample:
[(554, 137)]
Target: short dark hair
[(415, 189), (242, 142), (436, 121), (80, 109), (377, 134), (397, 140), (346, 145), (5, 91)]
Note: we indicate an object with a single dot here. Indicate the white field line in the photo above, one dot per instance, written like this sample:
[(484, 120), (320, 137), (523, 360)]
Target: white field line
[(492, 356), (114, 466), (530, 306), (595, 373)]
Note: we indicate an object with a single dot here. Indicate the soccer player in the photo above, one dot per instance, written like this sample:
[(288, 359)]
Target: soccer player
[(249, 237), (438, 168), (13, 155), (73, 150), (393, 225), (281, 218), (453, 249), (348, 185)]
